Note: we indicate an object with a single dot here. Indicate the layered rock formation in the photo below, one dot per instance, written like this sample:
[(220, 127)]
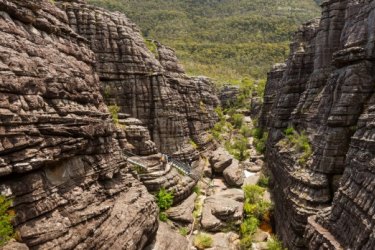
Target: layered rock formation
[(148, 84), (326, 89), (60, 158)]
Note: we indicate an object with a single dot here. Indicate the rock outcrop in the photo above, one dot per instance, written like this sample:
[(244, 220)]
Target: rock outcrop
[(60, 157), (326, 90), (147, 83)]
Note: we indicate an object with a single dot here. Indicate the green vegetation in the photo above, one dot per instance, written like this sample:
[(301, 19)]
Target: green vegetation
[(113, 110), (263, 181), (237, 120), (197, 190), (193, 144), (255, 210), (6, 216), (203, 241), (275, 244), (300, 142), (238, 148), (152, 47), (226, 40), (183, 231), (260, 139), (164, 200)]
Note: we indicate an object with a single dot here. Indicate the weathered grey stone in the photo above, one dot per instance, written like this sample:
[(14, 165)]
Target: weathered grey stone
[(61, 160), (325, 89), (220, 160), (167, 238), (184, 211), (221, 209), (234, 174)]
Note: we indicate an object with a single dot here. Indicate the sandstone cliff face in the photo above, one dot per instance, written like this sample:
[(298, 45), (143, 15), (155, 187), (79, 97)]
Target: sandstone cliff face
[(326, 89), (60, 156), (150, 86)]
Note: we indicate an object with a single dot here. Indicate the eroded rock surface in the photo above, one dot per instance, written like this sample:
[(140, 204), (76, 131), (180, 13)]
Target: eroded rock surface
[(60, 158), (327, 90), (149, 84), (222, 210)]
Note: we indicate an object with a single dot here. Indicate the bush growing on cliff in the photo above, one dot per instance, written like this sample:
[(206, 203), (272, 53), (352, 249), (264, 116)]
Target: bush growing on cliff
[(6, 216), (237, 120), (275, 244), (300, 142), (203, 241), (238, 148), (113, 110), (164, 200)]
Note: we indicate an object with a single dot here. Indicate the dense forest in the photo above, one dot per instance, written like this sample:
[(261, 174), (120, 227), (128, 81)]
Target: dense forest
[(224, 39)]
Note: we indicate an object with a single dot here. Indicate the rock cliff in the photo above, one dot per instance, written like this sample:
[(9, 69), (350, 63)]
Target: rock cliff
[(60, 158), (61, 155), (146, 82), (326, 91)]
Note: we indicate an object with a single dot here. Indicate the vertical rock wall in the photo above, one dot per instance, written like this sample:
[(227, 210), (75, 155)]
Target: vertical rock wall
[(60, 160), (148, 84), (326, 90)]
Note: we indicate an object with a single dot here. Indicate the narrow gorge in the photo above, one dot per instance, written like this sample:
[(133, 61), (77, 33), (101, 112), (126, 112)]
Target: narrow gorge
[(107, 143)]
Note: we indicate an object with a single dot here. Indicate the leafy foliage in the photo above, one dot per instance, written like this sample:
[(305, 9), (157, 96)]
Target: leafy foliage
[(203, 241), (114, 109), (164, 199), (183, 231), (237, 120), (226, 39), (255, 209), (300, 142), (6, 215), (263, 181), (275, 244)]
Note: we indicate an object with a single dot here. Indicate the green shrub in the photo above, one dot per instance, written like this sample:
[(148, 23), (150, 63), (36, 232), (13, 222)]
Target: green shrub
[(260, 140), (238, 149), (164, 199), (263, 181), (114, 109), (152, 47), (257, 133), (275, 244), (245, 131), (163, 216), (237, 120), (253, 193), (183, 231), (197, 190), (300, 142), (193, 144), (6, 216), (203, 241), (246, 242), (249, 226), (289, 131)]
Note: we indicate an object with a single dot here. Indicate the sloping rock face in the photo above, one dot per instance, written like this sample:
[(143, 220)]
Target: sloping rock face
[(327, 90), (60, 158), (150, 86)]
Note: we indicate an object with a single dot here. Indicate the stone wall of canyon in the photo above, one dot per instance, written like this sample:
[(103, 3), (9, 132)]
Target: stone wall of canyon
[(61, 156), (326, 89)]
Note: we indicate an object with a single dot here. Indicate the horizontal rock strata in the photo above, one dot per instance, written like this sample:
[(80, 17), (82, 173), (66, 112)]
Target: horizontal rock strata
[(60, 158), (326, 90)]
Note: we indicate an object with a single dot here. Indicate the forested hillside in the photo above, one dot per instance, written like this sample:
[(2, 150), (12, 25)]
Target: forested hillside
[(224, 39)]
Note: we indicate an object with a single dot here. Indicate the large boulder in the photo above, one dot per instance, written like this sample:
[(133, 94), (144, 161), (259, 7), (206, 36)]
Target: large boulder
[(167, 238), (234, 174), (222, 209), (184, 211), (220, 160)]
